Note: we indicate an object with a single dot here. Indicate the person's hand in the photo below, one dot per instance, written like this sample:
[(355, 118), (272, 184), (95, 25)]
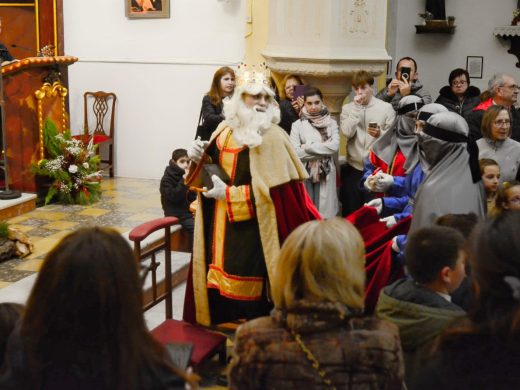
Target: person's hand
[(377, 204), (405, 88), (393, 87), (219, 189), (369, 183), (374, 131), (360, 99), (297, 104), (196, 150), (383, 182), (389, 221), (395, 247)]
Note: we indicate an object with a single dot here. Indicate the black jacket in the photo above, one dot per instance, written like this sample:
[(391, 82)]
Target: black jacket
[(175, 196), (449, 100), (288, 115), (211, 118)]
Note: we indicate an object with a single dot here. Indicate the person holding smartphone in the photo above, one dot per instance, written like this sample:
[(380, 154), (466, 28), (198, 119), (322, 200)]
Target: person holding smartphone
[(362, 121), (406, 82), (290, 103)]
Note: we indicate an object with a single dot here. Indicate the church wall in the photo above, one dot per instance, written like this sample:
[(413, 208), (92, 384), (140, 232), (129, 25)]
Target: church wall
[(438, 54), (159, 69)]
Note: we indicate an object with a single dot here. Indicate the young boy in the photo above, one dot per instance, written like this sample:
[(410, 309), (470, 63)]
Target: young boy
[(175, 195), (422, 307)]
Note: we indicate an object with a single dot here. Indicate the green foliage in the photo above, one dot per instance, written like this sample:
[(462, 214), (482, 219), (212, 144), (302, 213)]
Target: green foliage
[(72, 165), (4, 229)]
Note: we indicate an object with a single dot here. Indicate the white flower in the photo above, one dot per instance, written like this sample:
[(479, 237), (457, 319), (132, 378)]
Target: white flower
[(73, 168), (85, 165)]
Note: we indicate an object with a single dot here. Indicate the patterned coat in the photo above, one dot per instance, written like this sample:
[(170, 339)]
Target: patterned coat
[(353, 351)]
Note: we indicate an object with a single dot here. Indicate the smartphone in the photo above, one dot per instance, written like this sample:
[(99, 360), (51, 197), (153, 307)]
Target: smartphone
[(298, 91), (405, 73), (372, 124)]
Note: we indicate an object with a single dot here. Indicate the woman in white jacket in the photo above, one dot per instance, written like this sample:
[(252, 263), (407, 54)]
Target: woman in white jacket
[(316, 139)]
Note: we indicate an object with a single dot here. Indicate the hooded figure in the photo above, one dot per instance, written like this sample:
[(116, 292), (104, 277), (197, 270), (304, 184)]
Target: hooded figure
[(393, 149), (452, 184), (241, 222)]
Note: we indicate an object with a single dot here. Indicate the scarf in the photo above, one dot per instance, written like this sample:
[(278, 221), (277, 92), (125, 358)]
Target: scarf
[(320, 120)]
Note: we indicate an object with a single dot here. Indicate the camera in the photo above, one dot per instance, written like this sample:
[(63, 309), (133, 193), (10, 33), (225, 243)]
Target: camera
[(405, 73)]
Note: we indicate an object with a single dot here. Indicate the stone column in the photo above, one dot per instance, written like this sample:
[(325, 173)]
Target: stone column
[(326, 41)]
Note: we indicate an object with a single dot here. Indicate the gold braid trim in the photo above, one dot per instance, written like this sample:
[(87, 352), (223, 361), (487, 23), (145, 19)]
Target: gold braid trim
[(312, 359)]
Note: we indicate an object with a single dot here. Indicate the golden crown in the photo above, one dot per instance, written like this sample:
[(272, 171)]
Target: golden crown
[(251, 75)]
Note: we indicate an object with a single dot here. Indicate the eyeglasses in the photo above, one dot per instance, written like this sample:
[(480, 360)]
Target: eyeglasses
[(513, 87), (457, 83), (502, 122)]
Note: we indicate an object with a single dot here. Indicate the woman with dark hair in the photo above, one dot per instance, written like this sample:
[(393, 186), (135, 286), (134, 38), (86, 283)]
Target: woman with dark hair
[(83, 327), (211, 115), (496, 142), (10, 313), (315, 136), (290, 106), (459, 96), (483, 351)]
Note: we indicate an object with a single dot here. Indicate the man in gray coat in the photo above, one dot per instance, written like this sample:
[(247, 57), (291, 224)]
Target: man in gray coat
[(406, 82)]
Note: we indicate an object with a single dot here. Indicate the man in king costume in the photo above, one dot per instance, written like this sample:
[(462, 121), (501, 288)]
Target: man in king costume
[(240, 224)]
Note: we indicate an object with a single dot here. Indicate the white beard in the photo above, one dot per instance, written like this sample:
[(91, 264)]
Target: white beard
[(252, 124)]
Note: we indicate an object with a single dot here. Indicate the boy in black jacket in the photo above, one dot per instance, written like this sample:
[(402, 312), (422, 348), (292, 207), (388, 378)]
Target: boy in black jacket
[(175, 195)]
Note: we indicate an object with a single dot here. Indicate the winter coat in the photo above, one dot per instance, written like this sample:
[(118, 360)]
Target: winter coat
[(355, 352), (417, 89), (211, 117), (354, 122), (175, 196), (475, 120), (465, 107), (420, 314), (288, 115)]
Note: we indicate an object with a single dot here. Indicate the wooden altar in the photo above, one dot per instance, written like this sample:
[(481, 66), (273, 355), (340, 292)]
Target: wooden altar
[(33, 92)]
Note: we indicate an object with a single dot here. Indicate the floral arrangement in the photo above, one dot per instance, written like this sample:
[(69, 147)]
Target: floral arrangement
[(72, 165)]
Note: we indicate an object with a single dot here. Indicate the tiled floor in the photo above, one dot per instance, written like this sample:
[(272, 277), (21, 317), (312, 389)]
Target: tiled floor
[(125, 203)]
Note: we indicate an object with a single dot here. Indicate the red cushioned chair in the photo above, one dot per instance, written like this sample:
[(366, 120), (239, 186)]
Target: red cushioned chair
[(205, 343), (100, 108)]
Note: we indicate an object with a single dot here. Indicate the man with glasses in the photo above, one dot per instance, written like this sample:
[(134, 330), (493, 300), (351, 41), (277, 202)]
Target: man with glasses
[(504, 91), (405, 83), (459, 96)]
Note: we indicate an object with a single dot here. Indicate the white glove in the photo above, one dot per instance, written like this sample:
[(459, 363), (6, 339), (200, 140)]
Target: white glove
[(219, 189), (196, 150), (395, 247), (383, 182), (390, 221), (377, 204), (370, 183)]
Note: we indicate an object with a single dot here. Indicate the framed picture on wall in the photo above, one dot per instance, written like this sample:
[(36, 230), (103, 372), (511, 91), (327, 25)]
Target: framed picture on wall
[(474, 66), (141, 9)]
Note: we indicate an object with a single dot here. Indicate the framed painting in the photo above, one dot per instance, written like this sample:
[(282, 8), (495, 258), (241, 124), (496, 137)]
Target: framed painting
[(141, 9), (474, 66)]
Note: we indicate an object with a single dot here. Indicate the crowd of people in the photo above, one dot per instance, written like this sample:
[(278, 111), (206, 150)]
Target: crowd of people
[(399, 268)]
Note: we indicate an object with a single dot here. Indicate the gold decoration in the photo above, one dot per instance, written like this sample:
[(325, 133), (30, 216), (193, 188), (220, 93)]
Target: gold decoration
[(250, 75), (50, 91)]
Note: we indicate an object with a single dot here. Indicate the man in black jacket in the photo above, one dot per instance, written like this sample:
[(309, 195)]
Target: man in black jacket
[(175, 195)]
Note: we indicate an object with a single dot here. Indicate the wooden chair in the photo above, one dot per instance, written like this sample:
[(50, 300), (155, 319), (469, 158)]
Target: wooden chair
[(100, 107), (205, 343)]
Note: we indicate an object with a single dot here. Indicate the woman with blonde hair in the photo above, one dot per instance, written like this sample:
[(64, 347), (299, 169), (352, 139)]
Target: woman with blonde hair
[(317, 336)]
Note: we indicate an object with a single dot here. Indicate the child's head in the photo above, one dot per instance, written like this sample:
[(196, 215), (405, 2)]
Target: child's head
[(508, 197), (180, 158), (490, 172), (463, 223), (435, 257), (10, 313)]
